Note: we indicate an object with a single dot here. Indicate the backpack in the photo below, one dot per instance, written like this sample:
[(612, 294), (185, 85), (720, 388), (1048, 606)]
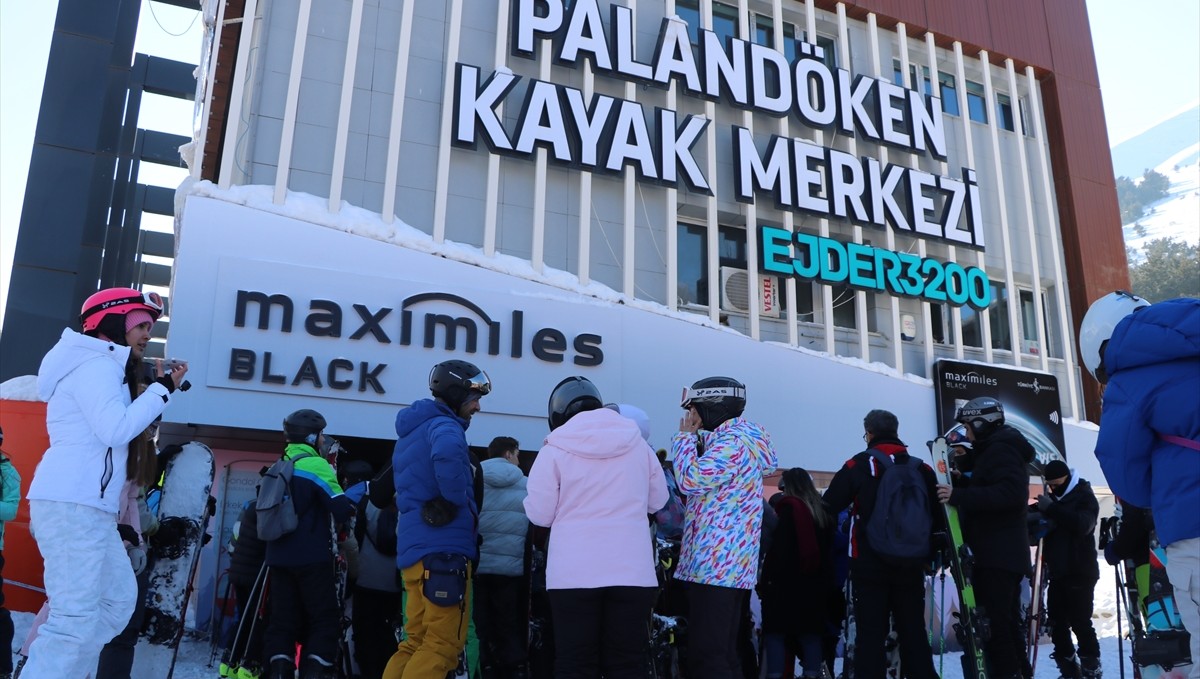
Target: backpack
[(274, 509), (382, 533), (900, 526)]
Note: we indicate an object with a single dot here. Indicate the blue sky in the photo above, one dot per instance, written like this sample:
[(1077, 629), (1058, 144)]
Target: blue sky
[(1148, 58)]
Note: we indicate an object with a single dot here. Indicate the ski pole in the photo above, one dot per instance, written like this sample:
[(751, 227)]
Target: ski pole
[(1120, 645), (216, 635)]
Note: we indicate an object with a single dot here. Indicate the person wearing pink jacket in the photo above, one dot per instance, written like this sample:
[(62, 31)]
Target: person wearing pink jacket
[(594, 483)]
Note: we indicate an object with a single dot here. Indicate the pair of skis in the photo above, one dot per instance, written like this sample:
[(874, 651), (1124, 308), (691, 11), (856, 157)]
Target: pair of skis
[(972, 628)]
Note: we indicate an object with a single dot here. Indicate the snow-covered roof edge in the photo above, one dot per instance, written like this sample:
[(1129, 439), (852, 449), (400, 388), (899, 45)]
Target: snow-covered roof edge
[(22, 388)]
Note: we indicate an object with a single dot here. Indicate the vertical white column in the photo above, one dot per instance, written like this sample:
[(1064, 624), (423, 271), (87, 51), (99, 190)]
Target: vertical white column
[(399, 85), (789, 219), (1002, 198), (491, 201), (343, 124), (1030, 225), (1060, 280), (672, 208), (441, 192), (960, 79), (751, 208), (585, 193), (889, 234), (629, 197), (810, 25), (237, 95), (538, 255), (935, 85), (710, 214), (284, 166), (860, 297)]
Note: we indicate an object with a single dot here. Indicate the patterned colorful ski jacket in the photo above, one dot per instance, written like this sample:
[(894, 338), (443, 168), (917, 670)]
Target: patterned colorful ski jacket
[(723, 486)]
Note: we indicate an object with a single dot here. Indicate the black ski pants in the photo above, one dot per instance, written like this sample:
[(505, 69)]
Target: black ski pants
[(1069, 609), (501, 612), (603, 631), (303, 598), (899, 594), (6, 628), (998, 593), (714, 618), (116, 658)]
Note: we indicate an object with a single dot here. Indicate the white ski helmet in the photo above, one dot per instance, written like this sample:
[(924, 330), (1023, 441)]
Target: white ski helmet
[(1098, 324)]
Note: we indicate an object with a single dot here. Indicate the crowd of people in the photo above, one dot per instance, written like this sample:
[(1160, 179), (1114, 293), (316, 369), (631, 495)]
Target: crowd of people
[(435, 557)]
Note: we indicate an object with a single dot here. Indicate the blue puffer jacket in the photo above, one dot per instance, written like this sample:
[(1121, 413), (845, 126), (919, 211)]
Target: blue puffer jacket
[(502, 521), (1153, 364), (431, 459)]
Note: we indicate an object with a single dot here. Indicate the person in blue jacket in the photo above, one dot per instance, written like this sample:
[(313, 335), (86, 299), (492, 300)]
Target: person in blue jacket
[(303, 601), (437, 530), (1148, 358)]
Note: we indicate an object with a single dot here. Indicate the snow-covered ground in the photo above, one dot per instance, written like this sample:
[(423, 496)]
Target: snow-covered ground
[(1178, 214), (193, 661)]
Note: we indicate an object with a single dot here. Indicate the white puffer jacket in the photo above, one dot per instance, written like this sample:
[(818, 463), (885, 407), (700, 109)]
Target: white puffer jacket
[(90, 421)]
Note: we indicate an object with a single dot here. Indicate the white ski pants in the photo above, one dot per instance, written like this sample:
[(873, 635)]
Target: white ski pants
[(90, 584), (1183, 568)]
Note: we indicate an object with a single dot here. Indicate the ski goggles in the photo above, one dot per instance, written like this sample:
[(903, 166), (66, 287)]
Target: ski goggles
[(705, 393), (152, 300), (479, 382)]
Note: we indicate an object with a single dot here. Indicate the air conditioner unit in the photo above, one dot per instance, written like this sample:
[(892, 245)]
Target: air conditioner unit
[(735, 292)]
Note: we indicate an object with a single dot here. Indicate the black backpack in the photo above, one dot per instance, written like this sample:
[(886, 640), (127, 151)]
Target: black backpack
[(383, 533), (900, 526)]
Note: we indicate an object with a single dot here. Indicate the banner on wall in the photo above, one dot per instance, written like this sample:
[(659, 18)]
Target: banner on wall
[(1031, 402)]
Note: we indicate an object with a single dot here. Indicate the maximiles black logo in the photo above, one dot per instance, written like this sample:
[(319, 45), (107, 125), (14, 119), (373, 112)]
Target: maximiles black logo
[(472, 331)]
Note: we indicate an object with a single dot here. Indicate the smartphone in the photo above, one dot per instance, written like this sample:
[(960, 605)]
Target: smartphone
[(170, 364)]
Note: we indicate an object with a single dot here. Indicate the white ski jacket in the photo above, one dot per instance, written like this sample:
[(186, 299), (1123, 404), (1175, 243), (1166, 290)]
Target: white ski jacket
[(90, 421)]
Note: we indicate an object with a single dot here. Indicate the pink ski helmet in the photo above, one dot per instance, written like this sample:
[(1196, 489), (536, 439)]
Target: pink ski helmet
[(119, 301)]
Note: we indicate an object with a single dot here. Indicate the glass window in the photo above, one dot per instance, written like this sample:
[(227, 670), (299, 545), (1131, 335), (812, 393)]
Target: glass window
[(764, 31), (1026, 122), (692, 263), (1004, 113), (998, 315), (725, 21), (949, 93), (976, 102), (689, 11), (939, 320), (829, 45), (844, 303)]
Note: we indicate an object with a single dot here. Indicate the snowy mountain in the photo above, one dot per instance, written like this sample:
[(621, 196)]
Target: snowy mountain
[(1178, 214), (1152, 148)]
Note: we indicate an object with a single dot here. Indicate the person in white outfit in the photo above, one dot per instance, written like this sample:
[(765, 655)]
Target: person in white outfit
[(89, 381)]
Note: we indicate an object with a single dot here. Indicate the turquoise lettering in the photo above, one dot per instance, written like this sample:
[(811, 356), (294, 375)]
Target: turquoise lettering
[(776, 244)]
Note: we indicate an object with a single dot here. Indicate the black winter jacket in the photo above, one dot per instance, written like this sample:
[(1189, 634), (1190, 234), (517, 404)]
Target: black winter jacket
[(248, 551), (1070, 546), (993, 503), (855, 486)]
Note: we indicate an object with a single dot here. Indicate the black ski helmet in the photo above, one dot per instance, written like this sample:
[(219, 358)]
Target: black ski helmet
[(458, 382), (571, 397), (303, 426), (716, 399), (983, 415)]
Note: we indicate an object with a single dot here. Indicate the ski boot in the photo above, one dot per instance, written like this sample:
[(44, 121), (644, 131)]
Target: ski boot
[(316, 667), (1090, 668), (1068, 666), (282, 667)]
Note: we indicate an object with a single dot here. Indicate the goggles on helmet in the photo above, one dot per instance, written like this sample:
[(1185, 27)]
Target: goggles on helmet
[(479, 382), (705, 393), (150, 299)]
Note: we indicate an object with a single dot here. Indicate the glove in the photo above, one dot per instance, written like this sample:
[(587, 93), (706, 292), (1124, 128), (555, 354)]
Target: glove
[(1110, 555), (1044, 502), (137, 558), (356, 492), (128, 534), (438, 512)]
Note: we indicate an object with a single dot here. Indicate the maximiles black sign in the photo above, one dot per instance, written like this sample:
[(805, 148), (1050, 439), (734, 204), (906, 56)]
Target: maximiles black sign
[(446, 324), (1031, 402)]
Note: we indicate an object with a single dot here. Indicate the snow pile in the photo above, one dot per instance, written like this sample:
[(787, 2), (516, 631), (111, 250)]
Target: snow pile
[(23, 388), (1178, 214)]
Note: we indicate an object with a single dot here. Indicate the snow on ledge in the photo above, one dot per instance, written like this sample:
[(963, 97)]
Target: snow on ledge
[(23, 388), (357, 221)]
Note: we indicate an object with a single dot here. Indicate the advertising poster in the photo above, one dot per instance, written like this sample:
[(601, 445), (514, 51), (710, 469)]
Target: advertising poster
[(1031, 402)]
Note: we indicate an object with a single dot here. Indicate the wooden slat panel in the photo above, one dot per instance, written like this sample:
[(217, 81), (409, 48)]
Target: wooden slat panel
[(1071, 40), (1019, 31), (965, 20)]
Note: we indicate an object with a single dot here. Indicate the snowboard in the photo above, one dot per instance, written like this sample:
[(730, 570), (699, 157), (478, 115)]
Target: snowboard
[(971, 628), (175, 551)]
